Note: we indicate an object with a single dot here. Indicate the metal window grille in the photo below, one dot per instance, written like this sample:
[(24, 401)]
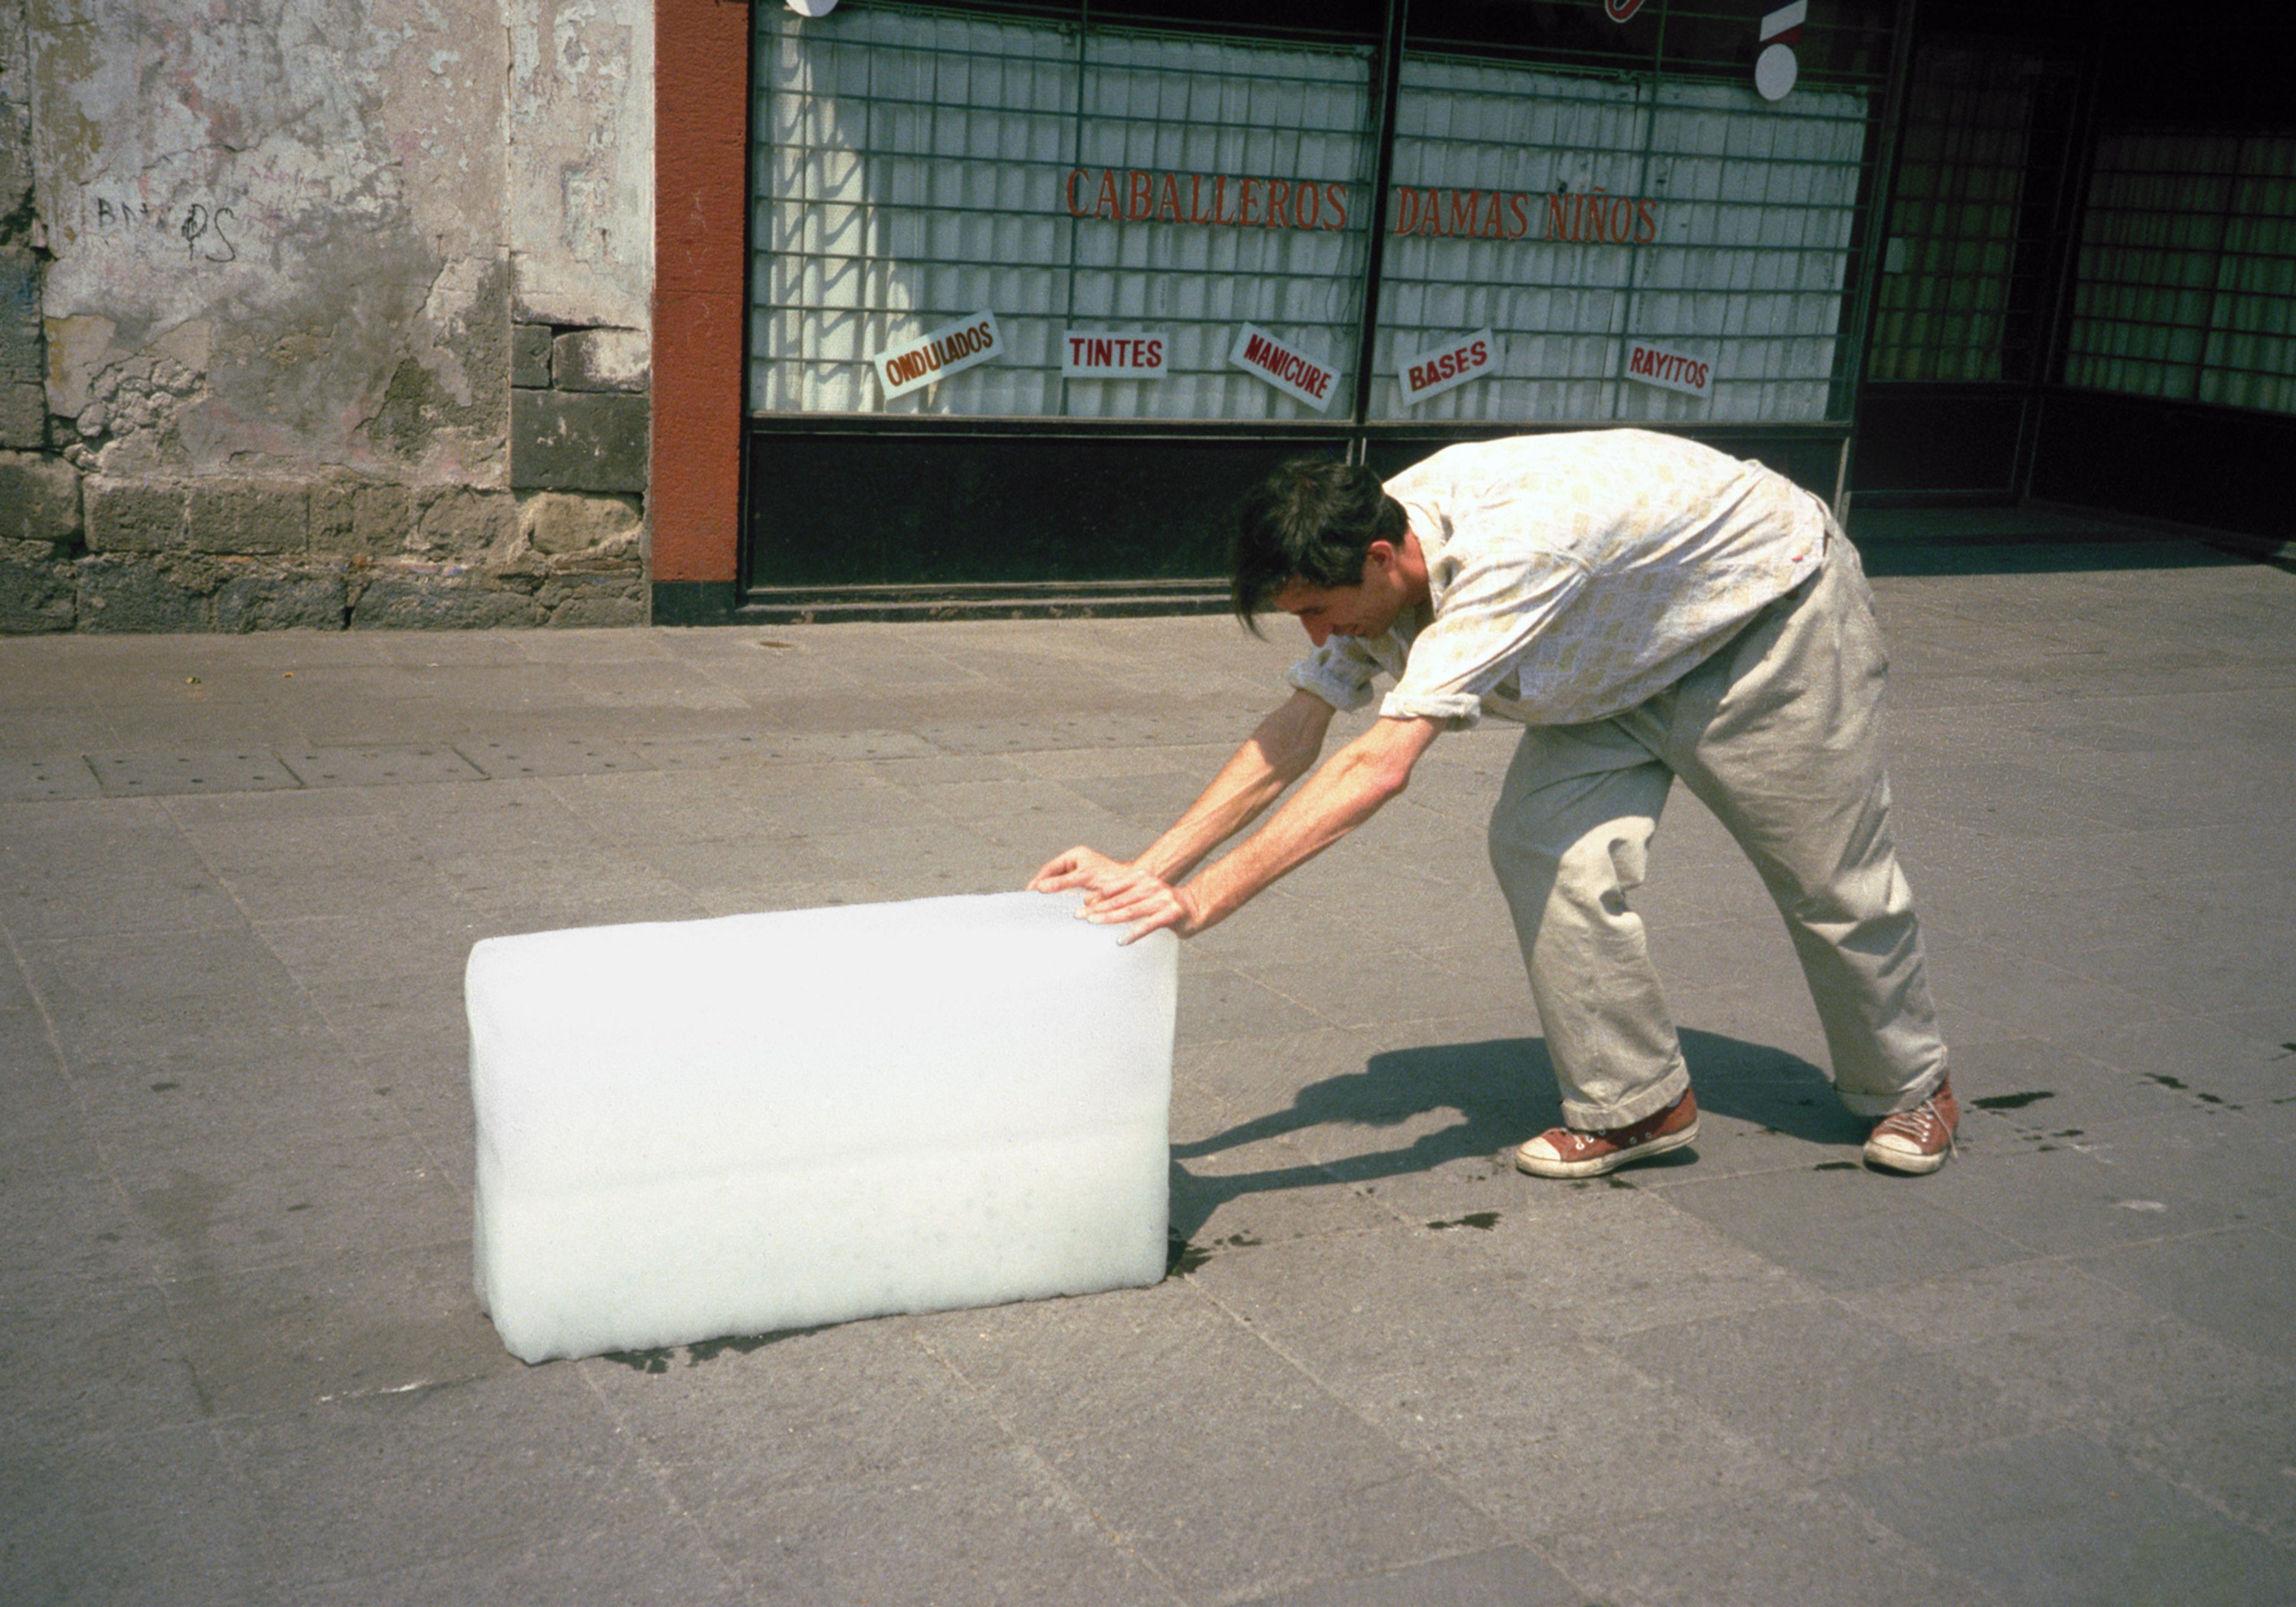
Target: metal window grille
[(913, 167), (916, 168), (2186, 284), (1684, 214), (1944, 307)]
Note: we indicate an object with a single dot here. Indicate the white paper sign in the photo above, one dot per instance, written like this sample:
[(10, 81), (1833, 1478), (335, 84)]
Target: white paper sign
[(1113, 354), (1445, 367), (1669, 369), (1295, 374), (951, 349)]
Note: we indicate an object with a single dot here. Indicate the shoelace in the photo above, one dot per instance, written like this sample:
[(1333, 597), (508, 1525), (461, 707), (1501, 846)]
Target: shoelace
[(1916, 1123)]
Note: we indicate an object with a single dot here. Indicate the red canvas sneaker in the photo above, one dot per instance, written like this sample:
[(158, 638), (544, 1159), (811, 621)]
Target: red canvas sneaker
[(1916, 1141), (1565, 1152)]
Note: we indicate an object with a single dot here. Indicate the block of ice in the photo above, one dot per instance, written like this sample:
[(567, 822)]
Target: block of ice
[(698, 1129)]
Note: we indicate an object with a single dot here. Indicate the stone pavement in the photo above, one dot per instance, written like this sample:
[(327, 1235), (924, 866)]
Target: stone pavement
[(240, 1361)]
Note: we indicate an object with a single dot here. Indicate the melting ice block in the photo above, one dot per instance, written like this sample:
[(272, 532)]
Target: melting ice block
[(708, 1128)]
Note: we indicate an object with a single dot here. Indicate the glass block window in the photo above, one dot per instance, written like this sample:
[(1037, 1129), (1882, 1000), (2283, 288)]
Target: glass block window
[(915, 168), (2186, 284), (1578, 215)]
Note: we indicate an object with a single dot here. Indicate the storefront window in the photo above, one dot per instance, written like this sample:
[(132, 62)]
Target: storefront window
[(1580, 219), (963, 213), (2187, 276), (1123, 202)]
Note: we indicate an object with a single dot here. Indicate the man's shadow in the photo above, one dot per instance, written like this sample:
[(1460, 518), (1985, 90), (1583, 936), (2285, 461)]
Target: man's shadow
[(1503, 1090)]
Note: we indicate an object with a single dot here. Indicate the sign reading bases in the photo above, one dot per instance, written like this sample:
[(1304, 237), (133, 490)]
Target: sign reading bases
[(936, 355), (1441, 368), (1293, 372), (1112, 354), (1669, 369)]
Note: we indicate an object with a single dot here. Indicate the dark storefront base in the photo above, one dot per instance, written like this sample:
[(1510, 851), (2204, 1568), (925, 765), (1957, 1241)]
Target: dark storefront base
[(1012, 520), (2212, 471)]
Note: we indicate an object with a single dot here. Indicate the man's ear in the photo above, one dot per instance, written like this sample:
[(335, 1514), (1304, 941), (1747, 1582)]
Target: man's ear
[(1379, 555)]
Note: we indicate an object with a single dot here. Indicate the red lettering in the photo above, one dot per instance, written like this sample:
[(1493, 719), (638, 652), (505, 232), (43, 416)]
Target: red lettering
[(1518, 211), (1648, 231), (1703, 375), (1481, 353), (1279, 193), (1590, 217), (1076, 351), (1406, 211), (1243, 206), (1074, 174), (1433, 212), (1111, 205), (1196, 194), (1464, 205), (1257, 350), (1170, 200), (1492, 227), (1419, 378), (1307, 206), (1337, 194), (1155, 354), (1220, 198), (1558, 218), (1143, 202)]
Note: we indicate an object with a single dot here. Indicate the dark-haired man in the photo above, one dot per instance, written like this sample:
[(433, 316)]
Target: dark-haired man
[(1648, 608)]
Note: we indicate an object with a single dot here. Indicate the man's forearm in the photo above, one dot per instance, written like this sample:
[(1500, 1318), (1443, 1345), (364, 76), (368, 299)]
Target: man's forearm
[(1336, 799), (1276, 756)]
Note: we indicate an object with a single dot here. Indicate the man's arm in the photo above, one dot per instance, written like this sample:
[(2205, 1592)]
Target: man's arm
[(1282, 751), (1340, 797)]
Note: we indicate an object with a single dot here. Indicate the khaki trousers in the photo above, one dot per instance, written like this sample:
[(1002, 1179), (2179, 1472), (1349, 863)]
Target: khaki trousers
[(1779, 733)]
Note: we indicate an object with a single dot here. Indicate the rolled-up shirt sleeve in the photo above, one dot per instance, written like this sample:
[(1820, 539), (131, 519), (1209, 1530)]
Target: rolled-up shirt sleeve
[(1490, 613), (1339, 672)]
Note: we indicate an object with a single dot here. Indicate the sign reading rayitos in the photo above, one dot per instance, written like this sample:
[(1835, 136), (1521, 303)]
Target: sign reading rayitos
[(1669, 369), (1295, 374), (1440, 368), (938, 353)]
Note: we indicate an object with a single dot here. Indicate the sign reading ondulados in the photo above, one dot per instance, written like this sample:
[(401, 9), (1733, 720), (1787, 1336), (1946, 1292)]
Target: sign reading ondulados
[(937, 354)]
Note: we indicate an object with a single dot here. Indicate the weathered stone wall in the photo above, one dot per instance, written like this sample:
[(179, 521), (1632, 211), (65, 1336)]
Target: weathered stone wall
[(323, 313)]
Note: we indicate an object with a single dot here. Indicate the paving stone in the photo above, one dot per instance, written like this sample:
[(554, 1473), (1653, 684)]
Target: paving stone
[(378, 766), (2071, 1522), (498, 758), (124, 1518), (161, 774), (58, 776), (1506, 1576), (1808, 1547), (1826, 1390)]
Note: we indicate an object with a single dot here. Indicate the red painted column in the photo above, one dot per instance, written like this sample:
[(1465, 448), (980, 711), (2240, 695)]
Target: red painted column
[(700, 164)]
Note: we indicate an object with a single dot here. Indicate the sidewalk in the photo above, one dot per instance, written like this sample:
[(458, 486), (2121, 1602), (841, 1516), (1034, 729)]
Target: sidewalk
[(240, 1361)]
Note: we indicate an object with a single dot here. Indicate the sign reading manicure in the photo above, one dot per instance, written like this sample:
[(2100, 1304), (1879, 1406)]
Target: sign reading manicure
[(1112, 354), (1295, 374), (1669, 369), (1445, 367), (936, 355)]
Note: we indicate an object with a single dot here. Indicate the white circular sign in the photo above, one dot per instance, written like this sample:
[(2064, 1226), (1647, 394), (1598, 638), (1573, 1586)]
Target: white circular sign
[(1774, 70), (813, 8)]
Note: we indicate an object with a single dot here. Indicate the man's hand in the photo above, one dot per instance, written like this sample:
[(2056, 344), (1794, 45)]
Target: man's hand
[(1116, 894)]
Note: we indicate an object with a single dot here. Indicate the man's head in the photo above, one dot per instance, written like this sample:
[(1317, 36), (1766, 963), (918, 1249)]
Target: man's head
[(1322, 540)]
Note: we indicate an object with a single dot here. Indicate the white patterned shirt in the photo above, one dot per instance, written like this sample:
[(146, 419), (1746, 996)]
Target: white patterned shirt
[(1573, 576)]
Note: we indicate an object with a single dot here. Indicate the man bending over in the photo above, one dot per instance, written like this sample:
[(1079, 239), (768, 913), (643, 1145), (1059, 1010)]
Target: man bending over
[(1647, 608)]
